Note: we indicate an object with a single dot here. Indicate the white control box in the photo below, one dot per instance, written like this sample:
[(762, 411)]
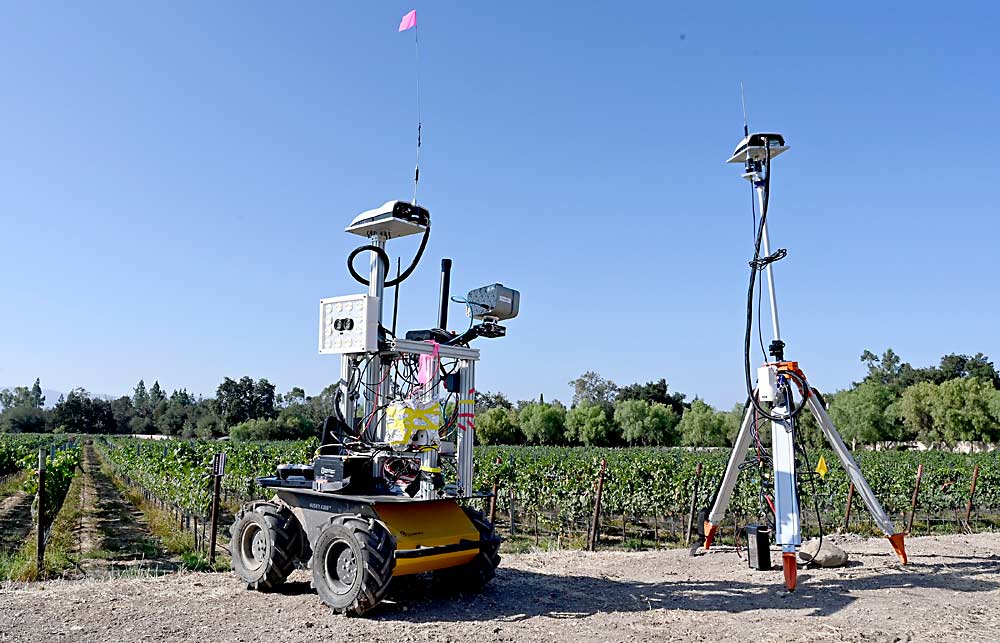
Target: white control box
[(348, 324), (767, 383)]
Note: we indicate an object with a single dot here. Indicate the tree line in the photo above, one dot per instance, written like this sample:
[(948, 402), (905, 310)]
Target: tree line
[(243, 409), (957, 400), (603, 414)]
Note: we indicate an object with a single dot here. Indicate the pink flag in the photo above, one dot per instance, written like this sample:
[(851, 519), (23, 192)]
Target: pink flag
[(409, 21), (428, 365)]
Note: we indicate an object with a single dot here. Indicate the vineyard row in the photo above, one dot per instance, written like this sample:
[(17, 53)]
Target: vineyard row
[(559, 482)]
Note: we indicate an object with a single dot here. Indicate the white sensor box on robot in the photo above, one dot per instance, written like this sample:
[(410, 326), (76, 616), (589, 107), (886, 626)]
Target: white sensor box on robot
[(348, 324)]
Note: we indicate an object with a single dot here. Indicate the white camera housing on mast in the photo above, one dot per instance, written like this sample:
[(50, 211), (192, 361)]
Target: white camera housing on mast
[(348, 325), (754, 147), (393, 219)]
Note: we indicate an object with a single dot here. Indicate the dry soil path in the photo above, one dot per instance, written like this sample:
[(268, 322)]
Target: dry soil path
[(949, 592), (113, 536), (15, 519)]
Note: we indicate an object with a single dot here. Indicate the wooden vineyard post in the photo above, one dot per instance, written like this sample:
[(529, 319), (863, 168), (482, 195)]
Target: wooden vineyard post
[(913, 502), (218, 469), (493, 498), (493, 502), (972, 492), (510, 511), (40, 542), (694, 505), (595, 522), (512, 490), (847, 510)]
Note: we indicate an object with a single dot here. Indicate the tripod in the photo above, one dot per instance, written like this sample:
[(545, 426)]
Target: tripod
[(775, 382)]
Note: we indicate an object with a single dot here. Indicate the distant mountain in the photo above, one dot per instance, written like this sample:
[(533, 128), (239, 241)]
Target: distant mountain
[(51, 397)]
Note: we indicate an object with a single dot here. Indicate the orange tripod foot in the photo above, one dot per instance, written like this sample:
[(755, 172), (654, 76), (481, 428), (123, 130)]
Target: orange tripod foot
[(710, 530), (896, 540), (791, 570)]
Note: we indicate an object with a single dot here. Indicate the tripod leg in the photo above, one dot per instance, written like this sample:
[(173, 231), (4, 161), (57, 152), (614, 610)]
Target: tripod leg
[(856, 477), (791, 568), (729, 478)]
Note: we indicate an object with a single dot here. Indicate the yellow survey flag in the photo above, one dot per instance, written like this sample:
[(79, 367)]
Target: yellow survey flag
[(821, 467)]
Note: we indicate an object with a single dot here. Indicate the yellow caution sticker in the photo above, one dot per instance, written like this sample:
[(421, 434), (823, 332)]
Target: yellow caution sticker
[(821, 468)]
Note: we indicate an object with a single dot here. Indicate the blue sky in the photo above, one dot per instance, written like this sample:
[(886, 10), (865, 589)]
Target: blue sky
[(175, 179)]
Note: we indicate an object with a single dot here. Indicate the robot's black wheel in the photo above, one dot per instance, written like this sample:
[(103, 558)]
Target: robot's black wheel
[(266, 543), (352, 563)]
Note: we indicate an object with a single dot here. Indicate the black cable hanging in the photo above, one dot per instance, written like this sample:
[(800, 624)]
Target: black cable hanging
[(755, 266)]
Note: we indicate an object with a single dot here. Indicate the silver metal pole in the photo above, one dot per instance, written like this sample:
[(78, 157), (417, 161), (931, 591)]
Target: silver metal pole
[(770, 273), (466, 430), (732, 473), (373, 374), (376, 280), (348, 406), (786, 504), (882, 519), (429, 458)]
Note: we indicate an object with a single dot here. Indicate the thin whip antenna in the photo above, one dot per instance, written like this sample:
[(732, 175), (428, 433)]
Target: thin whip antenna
[(743, 100), (395, 295), (416, 170)]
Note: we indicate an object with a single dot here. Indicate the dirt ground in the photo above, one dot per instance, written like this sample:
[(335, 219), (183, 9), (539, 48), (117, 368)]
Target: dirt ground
[(949, 592), (15, 519), (113, 535)]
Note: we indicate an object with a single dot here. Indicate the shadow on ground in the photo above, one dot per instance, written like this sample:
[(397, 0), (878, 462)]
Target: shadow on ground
[(15, 521), (518, 594)]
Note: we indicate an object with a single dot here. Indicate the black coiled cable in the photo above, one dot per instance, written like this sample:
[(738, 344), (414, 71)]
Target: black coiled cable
[(385, 261)]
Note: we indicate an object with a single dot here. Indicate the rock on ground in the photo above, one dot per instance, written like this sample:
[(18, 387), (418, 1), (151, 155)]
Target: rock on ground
[(826, 555)]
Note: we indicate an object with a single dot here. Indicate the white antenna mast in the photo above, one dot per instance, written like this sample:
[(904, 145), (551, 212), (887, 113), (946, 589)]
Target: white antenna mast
[(416, 169), (410, 22)]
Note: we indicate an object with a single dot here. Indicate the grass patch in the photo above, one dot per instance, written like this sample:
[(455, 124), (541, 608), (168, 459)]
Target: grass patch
[(523, 544), (12, 485), (197, 561), (14, 563), (163, 525), (21, 565), (98, 554)]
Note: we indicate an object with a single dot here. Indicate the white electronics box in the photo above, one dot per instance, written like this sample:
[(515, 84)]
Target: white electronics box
[(348, 324)]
